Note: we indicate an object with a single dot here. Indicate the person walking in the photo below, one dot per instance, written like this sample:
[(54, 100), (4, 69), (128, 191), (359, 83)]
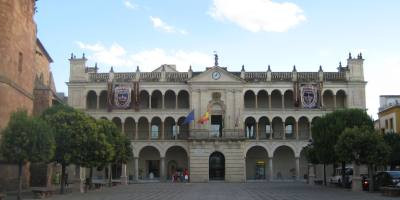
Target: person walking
[(186, 175)]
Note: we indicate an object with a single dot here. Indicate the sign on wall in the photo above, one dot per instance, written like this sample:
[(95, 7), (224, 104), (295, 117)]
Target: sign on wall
[(122, 96), (309, 95)]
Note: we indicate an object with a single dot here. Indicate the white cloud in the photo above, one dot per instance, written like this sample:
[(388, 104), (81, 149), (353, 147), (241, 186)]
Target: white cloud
[(258, 15), (148, 60), (161, 25), (129, 4)]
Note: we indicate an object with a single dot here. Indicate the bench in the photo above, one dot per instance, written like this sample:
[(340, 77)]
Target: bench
[(390, 191), (42, 192)]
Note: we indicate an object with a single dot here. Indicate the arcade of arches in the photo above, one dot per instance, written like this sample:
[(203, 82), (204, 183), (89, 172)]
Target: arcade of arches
[(281, 164), (278, 100)]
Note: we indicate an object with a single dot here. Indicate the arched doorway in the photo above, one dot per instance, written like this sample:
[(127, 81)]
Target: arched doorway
[(256, 163), (284, 163), (217, 166), (177, 160), (149, 163)]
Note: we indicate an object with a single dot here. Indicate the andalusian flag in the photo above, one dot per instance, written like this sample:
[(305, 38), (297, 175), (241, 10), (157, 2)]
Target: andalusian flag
[(203, 119)]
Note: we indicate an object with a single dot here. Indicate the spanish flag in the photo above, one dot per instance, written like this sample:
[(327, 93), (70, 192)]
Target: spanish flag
[(203, 119)]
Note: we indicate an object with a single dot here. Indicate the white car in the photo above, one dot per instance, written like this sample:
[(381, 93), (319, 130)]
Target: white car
[(338, 178)]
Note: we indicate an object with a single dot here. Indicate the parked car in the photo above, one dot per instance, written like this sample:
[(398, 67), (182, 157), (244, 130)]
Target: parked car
[(382, 179), (338, 178)]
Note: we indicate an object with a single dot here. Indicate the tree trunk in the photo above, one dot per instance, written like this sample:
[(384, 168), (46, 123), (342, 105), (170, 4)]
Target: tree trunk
[(371, 177), (19, 180), (109, 175), (90, 178), (344, 180), (324, 174), (62, 188)]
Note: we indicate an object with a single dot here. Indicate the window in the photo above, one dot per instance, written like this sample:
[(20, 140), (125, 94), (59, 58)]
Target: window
[(386, 124), (154, 132), (20, 61), (391, 123), (175, 131), (289, 129), (267, 129)]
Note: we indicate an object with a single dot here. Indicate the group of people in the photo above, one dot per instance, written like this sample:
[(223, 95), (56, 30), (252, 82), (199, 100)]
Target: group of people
[(179, 176)]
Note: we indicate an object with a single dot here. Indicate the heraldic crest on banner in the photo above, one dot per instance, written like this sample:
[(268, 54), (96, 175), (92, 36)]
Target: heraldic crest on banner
[(122, 96), (309, 95)]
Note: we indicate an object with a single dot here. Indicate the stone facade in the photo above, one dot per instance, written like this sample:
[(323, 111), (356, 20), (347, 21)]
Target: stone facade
[(389, 114), (258, 124), (25, 77)]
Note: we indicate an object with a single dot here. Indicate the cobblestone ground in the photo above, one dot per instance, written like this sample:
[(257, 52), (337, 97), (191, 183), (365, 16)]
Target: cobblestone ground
[(222, 191)]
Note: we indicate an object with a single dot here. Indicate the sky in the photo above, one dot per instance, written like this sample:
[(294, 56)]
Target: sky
[(254, 33)]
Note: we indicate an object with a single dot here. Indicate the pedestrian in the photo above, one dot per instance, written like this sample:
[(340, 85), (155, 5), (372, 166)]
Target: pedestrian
[(186, 175)]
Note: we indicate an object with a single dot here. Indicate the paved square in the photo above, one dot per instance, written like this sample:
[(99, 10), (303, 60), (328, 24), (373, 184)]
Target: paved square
[(222, 191)]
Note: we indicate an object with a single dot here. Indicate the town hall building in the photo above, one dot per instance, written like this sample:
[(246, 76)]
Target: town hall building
[(241, 125)]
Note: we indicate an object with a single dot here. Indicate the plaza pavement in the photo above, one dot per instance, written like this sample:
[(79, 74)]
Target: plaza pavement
[(222, 191)]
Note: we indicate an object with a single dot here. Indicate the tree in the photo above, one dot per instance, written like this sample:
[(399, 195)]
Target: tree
[(97, 148), (364, 146), (26, 139), (326, 131), (122, 150), (393, 141), (70, 129)]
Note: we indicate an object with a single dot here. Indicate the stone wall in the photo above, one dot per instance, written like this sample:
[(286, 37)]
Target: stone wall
[(18, 41)]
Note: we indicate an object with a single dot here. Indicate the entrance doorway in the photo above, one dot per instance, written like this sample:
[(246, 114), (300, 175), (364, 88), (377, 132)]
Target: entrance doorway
[(217, 166), (216, 125)]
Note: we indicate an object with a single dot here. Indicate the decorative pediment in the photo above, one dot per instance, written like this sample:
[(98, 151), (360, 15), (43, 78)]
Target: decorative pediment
[(216, 74)]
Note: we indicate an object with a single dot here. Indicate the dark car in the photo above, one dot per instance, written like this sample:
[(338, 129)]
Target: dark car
[(385, 178)]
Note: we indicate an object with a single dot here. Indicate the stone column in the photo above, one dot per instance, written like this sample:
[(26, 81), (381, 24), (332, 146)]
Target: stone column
[(176, 102), (136, 168), (311, 174), (310, 133), (271, 168), (271, 131), (297, 130), (269, 102), (136, 130), (124, 177), (162, 131), (150, 101), (297, 168), (334, 101), (122, 128), (163, 101), (149, 136), (356, 179), (257, 134), (256, 102), (82, 177), (284, 131), (98, 102), (283, 101), (162, 169)]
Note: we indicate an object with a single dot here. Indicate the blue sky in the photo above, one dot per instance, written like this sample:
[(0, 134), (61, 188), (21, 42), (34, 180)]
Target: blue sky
[(256, 33)]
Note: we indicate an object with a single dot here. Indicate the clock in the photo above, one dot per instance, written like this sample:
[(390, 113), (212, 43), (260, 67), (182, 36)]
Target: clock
[(216, 75)]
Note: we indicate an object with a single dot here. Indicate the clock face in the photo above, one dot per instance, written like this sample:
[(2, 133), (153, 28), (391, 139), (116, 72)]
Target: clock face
[(216, 75)]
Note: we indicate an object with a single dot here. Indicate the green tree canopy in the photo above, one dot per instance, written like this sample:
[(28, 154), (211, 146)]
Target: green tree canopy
[(326, 131), (26, 139), (362, 145), (393, 140), (71, 129)]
